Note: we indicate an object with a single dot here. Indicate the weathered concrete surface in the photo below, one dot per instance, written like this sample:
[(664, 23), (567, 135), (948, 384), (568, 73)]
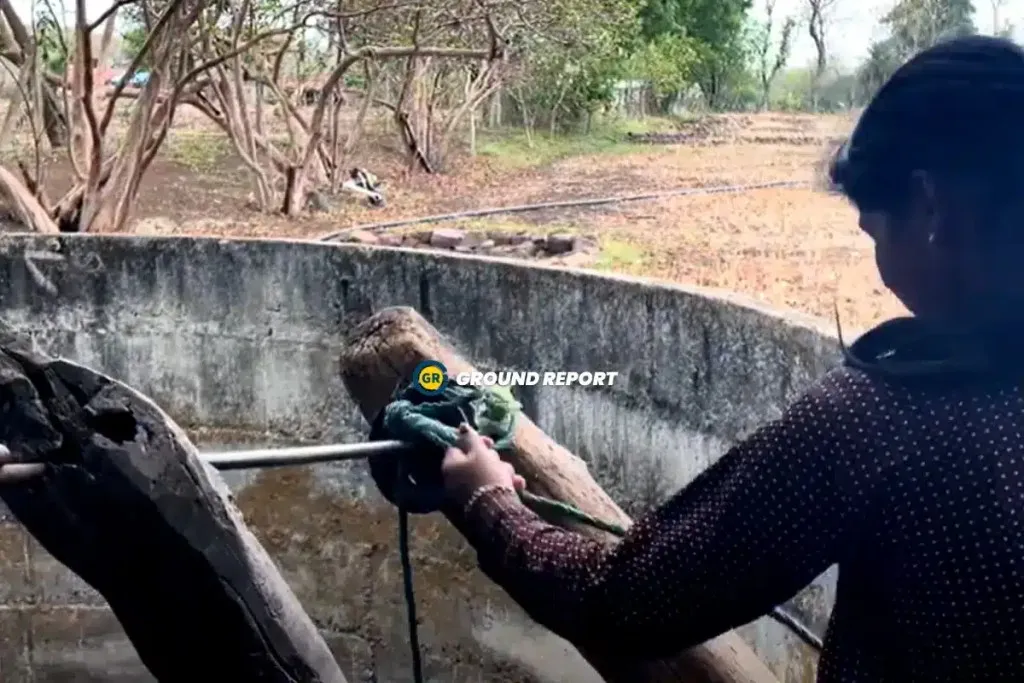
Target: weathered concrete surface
[(242, 338)]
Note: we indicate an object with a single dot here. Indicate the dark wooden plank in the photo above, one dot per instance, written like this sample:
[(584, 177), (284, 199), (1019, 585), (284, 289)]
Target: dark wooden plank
[(126, 504)]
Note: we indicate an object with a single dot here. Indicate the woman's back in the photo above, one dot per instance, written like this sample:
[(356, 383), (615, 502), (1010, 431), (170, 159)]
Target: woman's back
[(931, 580)]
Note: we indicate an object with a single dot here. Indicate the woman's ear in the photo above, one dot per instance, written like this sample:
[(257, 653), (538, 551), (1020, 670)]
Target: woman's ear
[(931, 213), (923, 203)]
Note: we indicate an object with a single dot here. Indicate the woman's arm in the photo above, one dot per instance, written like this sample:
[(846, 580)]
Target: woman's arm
[(744, 536)]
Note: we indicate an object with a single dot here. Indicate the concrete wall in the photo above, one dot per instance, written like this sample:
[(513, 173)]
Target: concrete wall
[(242, 338)]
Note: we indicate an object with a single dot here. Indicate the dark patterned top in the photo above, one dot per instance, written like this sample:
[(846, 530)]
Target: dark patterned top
[(916, 491)]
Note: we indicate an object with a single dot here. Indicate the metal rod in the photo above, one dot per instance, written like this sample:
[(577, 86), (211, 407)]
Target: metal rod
[(299, 455), (306, 455)]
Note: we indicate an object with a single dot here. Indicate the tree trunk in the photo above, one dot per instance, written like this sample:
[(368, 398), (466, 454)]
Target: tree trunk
[(127, 505), (294, 200), (54, 121), (25, 206), (494, 119), (385, 350)]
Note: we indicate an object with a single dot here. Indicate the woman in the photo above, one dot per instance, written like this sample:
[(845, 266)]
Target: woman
[(904, 466)]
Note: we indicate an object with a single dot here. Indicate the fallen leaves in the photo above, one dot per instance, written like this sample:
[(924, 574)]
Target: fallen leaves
[(793, 248)]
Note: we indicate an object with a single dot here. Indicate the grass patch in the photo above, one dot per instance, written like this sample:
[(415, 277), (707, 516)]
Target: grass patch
[(619, 256), (197, 152), (512, 148)]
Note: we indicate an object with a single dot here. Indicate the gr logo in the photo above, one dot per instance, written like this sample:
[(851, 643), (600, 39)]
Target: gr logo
[(430, 377)]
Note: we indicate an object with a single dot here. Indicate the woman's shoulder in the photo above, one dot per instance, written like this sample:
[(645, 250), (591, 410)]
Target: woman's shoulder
[(851, 413), (850, 395), (904, 361), (843, 391)]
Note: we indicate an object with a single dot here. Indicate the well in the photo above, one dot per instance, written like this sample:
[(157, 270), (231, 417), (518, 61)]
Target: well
[(238, 340)]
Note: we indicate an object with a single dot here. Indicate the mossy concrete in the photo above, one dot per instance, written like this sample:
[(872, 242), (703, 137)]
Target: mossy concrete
[(242, 339)]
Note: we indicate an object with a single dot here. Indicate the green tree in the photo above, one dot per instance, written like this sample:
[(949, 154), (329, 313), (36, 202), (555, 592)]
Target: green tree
[(53, 44), (919, 24), (668, 63), (132, 40), (570, 55), (913, 25), (716, 31), (884, 57)]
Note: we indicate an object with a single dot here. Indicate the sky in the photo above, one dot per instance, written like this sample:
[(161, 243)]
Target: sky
[(853, 29), (855, 25)]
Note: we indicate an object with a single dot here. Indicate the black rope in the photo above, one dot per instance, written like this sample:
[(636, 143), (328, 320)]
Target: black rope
[(408, 496), (402, 486), (410, 596), (780, 615)]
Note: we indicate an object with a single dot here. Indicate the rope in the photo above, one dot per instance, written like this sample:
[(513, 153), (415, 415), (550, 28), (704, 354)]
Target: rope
[(566, 204), (417, 419), (405, 558)]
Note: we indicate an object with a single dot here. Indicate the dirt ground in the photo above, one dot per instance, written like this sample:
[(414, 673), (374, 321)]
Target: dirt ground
[(788, 247)]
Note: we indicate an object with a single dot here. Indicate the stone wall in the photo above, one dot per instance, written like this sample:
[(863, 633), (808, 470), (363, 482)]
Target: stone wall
[(242, 338)]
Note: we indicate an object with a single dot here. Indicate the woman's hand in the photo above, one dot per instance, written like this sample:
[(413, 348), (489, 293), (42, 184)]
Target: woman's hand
[(472, 464)]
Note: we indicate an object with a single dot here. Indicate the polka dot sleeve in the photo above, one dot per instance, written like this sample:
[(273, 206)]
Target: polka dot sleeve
[(744, 536)]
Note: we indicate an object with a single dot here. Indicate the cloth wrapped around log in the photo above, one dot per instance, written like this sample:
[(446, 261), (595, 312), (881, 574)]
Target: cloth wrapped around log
[(381, 354)]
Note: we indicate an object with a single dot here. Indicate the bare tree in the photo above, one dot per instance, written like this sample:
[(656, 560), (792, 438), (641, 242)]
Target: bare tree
[(107, 170), (431, 98), (1000, 26), (18, 49), (431, 63), (769, 66), (818, 21), (287, 171)]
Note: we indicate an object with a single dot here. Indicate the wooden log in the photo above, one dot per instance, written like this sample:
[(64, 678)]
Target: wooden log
[(125, 503), (384, 351)]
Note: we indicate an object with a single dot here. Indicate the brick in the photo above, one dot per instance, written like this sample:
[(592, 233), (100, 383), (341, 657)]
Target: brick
[(447, 238), (76, 644), (15, 579), (15, 666), (55, 584)]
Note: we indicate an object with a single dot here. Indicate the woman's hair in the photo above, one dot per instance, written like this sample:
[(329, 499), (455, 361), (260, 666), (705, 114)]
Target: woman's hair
[(955, 110)]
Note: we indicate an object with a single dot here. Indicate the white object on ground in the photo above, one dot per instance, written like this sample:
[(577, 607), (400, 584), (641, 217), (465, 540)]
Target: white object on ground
[(370, 195)]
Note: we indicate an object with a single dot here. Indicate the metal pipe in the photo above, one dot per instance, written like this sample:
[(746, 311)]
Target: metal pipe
[(571, 203), (299, 455), (307, 455)]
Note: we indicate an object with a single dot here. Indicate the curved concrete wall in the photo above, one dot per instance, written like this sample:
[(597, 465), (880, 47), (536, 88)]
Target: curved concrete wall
[(239, 341)]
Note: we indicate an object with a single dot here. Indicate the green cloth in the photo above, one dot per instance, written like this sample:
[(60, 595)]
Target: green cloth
[(493, 413)]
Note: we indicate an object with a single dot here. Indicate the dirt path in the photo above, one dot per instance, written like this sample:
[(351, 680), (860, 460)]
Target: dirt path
[(794, 248)]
